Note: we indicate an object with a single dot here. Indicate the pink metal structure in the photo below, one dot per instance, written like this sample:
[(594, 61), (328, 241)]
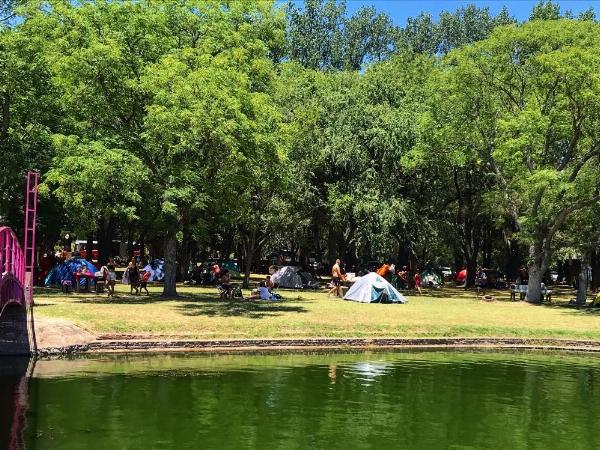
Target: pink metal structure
[(12, 266), (16, 264), (30, 217)]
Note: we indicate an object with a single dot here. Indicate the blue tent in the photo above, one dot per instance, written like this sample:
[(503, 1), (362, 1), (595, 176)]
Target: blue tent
[(157, 269), (66, 270)]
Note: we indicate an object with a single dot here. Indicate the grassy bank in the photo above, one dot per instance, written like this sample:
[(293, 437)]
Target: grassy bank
[(198, 314)]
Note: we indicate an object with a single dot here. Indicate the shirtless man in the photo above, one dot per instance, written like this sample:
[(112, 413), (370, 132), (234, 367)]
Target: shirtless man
[(336, 279)]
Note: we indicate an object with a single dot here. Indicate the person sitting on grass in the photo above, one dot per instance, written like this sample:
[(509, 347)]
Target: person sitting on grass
[(224, 284), (268, 283), (262, 293), (144, 281)]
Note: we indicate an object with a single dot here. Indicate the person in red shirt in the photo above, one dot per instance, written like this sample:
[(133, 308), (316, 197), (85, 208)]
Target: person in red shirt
[(417, 279), (144, 281), (215, 272)]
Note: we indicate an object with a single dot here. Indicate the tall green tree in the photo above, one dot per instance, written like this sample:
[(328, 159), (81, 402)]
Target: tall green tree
[(95, 183), (465, 25), (320, 35), (28, 112), (211, 120), (530, 96)]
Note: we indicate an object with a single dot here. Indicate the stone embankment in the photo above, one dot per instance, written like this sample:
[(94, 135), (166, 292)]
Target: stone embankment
[(15, 336), (251, 345)]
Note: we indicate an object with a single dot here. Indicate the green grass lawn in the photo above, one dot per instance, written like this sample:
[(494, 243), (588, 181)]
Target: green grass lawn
[(199, 314)]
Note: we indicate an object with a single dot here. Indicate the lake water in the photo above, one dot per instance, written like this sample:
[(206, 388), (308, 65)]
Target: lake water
[(412, 400)]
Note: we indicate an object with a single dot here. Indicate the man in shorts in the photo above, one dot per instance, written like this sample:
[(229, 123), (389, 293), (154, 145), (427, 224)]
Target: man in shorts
[(336, 279)]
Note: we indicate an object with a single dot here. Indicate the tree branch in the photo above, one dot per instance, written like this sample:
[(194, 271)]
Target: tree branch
[(564, 213), (594, 151)]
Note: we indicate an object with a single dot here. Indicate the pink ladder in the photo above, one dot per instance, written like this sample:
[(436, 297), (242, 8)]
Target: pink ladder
[(29, 250)]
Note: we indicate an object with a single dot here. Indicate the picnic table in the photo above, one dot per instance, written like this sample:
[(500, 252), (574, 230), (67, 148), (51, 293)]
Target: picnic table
[(88, 277), (521, 289)]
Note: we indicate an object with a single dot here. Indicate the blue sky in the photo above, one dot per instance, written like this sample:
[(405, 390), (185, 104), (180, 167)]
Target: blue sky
[(400, 10)]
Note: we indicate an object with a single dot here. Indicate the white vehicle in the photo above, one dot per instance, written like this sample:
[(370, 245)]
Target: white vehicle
[(446, 272)]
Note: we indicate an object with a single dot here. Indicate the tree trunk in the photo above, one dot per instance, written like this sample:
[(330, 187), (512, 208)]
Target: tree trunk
[(142, 247), (471, 270), (185, 254), (595, 270), (249, 251), (129, 241), (104, 239), (584, 277), (170, 281), (89, 255), (539, 258)]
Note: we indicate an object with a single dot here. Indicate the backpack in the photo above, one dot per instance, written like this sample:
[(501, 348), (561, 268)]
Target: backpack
[(237, 292)]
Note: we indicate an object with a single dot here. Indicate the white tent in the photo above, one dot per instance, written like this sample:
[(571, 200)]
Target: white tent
[(293, 278), (374, 289)]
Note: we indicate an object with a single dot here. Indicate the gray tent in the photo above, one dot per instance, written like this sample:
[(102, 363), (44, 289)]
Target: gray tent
[(292, 277)]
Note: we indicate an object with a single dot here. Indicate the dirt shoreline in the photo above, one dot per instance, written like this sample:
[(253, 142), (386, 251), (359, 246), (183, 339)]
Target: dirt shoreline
[(312, 344)]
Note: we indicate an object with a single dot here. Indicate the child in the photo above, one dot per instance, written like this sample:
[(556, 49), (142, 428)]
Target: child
[(417, 279), (262, 293), (144, 281)]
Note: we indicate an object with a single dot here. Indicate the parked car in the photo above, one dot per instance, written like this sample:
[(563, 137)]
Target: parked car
[(446, 272)]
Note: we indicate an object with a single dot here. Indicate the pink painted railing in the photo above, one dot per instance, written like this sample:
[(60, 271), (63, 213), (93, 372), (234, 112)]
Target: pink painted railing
[(12, 269)]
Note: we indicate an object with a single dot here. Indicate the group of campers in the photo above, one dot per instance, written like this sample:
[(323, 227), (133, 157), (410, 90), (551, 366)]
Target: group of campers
[(386, 271), (222, 279)]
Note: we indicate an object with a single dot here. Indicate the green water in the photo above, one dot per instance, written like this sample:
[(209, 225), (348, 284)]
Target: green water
[(424, 400)]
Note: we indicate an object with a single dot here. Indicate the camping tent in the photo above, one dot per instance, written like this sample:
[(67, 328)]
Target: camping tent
[(66, 270), (233, 268), (156, 269), (461, 276), (293, 278), (430, 279), (374, 289)]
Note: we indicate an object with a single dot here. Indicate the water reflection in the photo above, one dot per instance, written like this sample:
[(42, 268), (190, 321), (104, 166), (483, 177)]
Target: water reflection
[(14, 401), (419, 400)]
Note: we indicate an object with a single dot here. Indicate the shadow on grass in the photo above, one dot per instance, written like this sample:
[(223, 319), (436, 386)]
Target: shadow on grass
[(252, 310), (580, 310), (203, 304), (47, 292)]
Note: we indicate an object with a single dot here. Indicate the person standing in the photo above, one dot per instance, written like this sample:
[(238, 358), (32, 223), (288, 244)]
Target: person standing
[(417, 279), (111, 277), (403, 278), (133, 273), (144, 278), (336, 279)]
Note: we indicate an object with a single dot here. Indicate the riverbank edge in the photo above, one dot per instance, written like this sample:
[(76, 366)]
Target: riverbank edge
[(313, 344)]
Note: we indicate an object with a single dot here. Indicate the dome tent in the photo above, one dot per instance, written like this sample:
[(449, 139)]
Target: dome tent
[(66, 271), (293, 278), (372, 288)]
